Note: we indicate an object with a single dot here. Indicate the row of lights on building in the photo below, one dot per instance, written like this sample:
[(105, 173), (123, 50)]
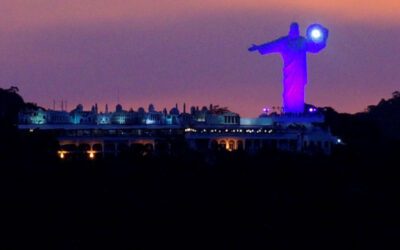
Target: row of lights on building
[(250, 131), (62, 154)]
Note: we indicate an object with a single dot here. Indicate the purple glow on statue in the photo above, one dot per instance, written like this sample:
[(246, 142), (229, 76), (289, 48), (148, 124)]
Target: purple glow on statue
[(293, 49)]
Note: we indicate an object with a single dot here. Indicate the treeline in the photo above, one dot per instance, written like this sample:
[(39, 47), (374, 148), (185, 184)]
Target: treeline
[(376, 129)]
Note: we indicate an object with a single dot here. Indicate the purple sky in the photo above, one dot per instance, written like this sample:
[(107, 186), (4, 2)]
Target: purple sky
[(167, 52)]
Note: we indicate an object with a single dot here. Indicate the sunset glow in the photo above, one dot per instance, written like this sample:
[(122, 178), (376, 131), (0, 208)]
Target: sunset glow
[(167, 52)]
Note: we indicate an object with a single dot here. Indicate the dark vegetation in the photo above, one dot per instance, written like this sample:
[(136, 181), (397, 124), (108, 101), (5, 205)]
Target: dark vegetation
[(214, 200)]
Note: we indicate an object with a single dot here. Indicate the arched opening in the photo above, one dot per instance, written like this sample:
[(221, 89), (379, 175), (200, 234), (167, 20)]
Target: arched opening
[(122, 147), (83, 150), (162, 147), (214, 145), (231, 145), (240, 146), (84, 147), (109, 149), (97, 147), (222, 144), (293, 145), (69, 147), (149, 147), (137, 148)]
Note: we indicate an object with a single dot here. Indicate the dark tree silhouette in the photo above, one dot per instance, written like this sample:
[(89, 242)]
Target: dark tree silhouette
[(10, 104)]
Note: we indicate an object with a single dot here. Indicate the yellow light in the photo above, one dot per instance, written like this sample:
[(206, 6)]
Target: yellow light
[(91, 154), (62, 154)]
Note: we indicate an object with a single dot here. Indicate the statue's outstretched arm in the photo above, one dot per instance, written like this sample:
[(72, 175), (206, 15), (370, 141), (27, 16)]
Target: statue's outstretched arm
[(270, 47), (315, 47)]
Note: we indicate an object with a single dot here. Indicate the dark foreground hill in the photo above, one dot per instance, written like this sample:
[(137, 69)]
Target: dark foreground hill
[(238, 202)]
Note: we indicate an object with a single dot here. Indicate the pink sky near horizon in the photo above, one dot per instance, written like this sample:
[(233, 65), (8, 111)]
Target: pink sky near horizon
[(167, 52)]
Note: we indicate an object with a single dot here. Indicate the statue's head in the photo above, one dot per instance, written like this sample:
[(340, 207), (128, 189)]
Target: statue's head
[(294, 31)]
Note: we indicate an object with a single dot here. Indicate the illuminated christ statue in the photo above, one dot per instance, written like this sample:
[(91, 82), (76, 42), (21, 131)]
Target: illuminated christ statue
[(293, 49)]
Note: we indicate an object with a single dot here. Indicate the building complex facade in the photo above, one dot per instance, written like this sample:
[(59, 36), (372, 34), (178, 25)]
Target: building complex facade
[(99, 134)]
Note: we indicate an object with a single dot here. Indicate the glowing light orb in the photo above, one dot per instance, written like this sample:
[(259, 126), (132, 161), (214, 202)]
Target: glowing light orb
[(312, 110), (316, 33)]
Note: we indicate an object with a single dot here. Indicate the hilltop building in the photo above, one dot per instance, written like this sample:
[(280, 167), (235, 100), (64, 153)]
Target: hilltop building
[(99, 134)]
